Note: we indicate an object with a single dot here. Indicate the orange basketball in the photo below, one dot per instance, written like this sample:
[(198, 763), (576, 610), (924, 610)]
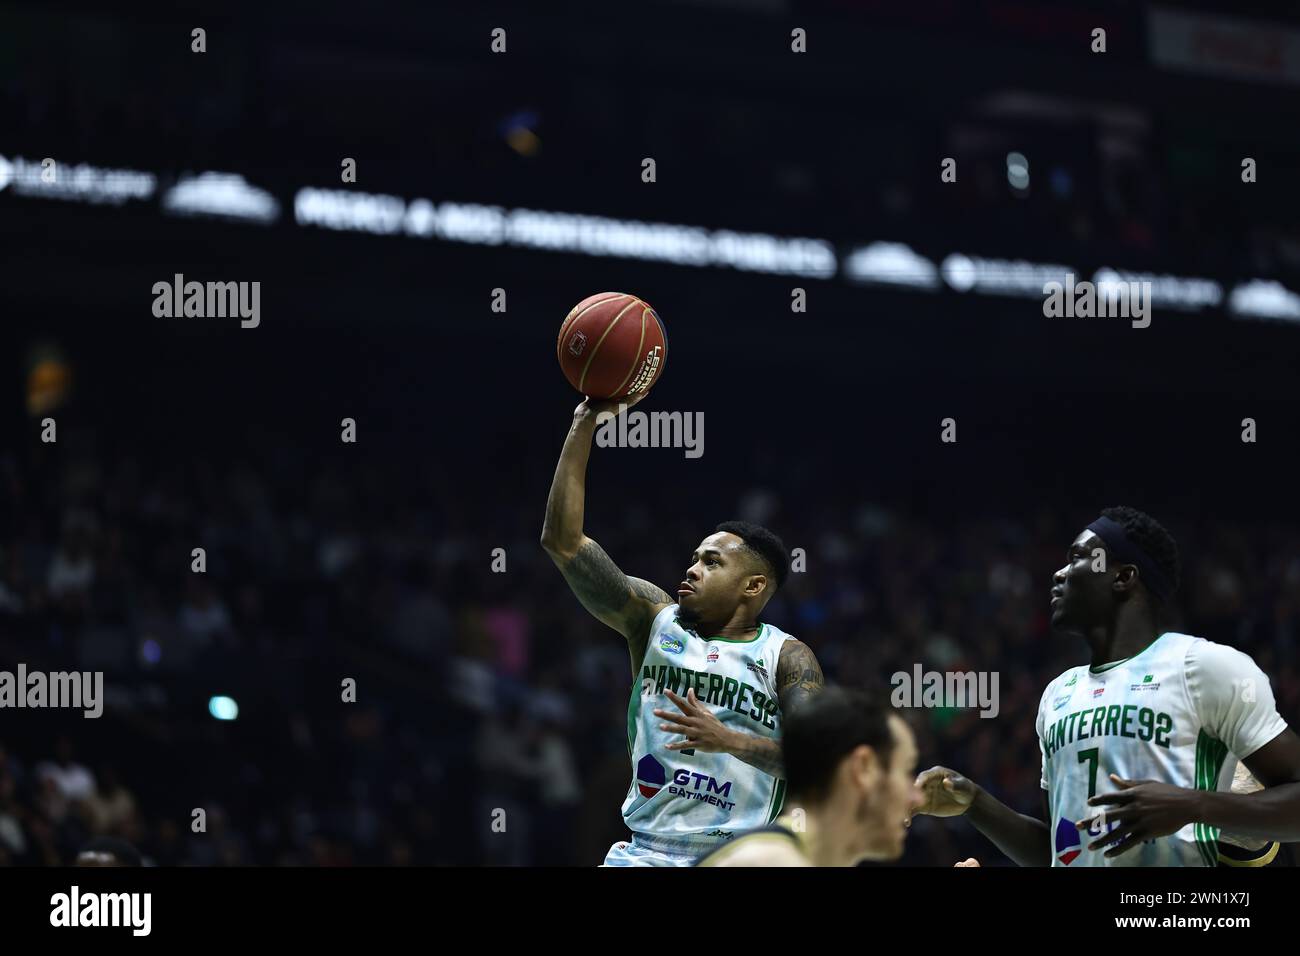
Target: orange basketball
[(612, 345)]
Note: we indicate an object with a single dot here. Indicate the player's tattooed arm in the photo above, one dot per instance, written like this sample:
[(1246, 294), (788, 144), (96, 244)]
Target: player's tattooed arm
[(702, 730), (761, 752), (625, 603), (798, 676), (798, 679)]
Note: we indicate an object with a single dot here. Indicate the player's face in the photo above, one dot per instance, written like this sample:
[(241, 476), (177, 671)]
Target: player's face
[(1081, 595), (899, 794), (891, 797), (719, 574)]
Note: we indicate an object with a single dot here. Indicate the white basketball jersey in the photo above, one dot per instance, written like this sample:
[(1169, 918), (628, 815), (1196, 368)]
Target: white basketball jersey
[(689, 794), (1182, 711)]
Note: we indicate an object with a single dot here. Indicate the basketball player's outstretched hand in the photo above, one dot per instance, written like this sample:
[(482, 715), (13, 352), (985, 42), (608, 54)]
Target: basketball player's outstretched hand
[(594, 406), (696, 723), (1139, 810), (946, 793)]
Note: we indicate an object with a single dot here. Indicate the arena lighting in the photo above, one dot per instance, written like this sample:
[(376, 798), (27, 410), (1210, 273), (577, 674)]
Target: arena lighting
[(891, 263), (1175, 292), (221, 195), (1018, 172), (230, 196), (79, 183), (223, 708), (1264, 298), (564, 232), (344, 211), (1010, 277)]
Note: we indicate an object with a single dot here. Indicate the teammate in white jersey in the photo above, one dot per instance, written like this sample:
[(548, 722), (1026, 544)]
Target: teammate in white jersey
[(710, 681), (1139, 750)]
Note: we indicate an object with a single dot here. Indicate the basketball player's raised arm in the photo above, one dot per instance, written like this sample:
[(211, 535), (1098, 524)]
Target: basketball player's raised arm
[(626, 604)]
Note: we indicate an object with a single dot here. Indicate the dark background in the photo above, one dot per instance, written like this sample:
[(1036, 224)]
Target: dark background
[(372, 560)]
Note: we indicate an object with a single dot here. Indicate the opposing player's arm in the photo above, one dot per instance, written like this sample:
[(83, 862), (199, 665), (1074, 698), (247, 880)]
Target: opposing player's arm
[(626, 604)]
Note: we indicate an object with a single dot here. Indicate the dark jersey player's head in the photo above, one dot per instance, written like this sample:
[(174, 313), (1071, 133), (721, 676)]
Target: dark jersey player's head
[(852, 761), (740, 564), (1124, 559)]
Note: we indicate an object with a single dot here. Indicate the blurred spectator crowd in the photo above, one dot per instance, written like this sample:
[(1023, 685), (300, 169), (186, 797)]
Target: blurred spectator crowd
[(489, 720)]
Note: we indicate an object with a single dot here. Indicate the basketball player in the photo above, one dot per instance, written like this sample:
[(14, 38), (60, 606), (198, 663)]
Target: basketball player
[(1140, 748), (849, 764), (711, 683)]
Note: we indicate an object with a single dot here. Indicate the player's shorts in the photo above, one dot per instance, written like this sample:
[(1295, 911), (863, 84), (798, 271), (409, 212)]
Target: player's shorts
[(646, 850)]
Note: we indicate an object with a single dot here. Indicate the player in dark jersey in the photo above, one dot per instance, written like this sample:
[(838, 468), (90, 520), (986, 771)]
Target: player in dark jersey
[(850, 765)]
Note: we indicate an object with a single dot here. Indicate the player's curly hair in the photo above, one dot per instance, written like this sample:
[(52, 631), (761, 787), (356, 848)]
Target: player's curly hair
[(1152, 537), (765, 544)]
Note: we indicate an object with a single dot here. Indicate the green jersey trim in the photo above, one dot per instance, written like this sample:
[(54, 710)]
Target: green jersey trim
[(741, 640), (1210, 755), (778, 800), (1105, 667), (633, 711)]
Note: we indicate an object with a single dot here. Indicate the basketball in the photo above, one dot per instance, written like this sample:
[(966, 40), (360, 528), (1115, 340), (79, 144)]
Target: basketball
[(612, 345)]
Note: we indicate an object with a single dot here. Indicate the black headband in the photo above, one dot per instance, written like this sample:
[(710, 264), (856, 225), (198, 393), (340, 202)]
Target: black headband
[(1125, 551)]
